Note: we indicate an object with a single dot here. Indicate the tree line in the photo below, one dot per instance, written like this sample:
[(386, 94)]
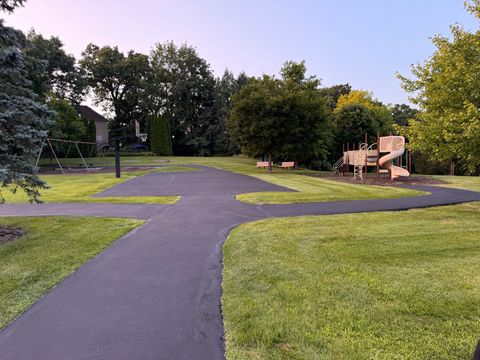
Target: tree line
[(172, 92)]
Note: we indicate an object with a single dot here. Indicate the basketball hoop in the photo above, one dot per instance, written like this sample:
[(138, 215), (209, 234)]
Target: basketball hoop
[(142, 137)]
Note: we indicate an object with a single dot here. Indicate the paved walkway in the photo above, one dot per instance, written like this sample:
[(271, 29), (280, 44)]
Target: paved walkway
[(155, 293)]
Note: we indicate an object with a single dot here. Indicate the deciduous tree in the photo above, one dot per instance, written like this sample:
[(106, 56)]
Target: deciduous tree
[(446, 88), (119, 82), (285, 118), (186, 92), (53, 70), (380, 112)]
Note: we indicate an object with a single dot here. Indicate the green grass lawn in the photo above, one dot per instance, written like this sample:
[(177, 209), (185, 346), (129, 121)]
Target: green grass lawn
[(461, 182), (313, 189), (390, 285), (51, 249), (79, 188), (309, 189)]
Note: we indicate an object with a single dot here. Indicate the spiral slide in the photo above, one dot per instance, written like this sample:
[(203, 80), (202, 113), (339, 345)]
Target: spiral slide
[(395, 146)]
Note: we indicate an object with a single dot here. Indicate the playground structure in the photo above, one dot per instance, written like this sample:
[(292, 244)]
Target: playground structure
[(386, 155), (54, 144)]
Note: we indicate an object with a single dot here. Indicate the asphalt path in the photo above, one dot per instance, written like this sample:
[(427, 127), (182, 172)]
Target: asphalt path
[(155, 293)]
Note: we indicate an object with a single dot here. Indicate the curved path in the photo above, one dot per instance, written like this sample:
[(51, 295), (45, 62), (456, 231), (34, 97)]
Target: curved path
[(155, 293)]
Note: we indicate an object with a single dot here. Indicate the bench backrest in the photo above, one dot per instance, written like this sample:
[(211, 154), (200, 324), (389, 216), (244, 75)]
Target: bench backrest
[(288, 163), (263, 163)]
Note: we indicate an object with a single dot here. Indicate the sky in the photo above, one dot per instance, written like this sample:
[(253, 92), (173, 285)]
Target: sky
[(361, 42)]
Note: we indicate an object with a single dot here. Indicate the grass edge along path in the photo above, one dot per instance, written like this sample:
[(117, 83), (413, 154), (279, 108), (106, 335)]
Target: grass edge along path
[(80, 188), (314, 189), (51, 249), (378, 285), (460, 182)]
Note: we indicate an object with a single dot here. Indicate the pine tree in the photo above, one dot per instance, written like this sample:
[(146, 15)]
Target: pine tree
[(23, 121)]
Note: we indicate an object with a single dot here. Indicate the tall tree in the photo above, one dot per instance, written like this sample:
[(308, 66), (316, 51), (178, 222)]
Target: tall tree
[(23, 121), (185, 96), (68, 125), (352, 121), (285, 118), (10, 5), (446, 89), (225, 88), (379, 111), (119, 82), (332, 94), (54, 71), (402, 113)]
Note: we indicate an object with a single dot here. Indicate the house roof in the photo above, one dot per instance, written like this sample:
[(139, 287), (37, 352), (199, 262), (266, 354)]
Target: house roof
[(88, 113)]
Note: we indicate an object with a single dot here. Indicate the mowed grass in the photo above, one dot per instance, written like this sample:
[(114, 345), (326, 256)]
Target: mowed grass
[(80, 188), (392, 285), (314, 189), (308, 189), (51, 249), (460, 182)]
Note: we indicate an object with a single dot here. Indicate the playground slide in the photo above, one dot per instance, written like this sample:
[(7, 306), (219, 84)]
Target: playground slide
[(386, 162)]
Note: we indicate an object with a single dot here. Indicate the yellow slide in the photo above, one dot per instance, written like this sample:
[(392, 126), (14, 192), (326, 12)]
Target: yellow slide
[(395, 147)]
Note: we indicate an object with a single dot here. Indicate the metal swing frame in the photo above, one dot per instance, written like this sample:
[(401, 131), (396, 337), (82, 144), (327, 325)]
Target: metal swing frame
[(48, 141)]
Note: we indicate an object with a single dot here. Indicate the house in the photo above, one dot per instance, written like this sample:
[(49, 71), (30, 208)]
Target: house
[(101, 123)]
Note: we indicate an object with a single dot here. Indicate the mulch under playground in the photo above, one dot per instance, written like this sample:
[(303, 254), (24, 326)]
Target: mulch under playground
[(374, 179)]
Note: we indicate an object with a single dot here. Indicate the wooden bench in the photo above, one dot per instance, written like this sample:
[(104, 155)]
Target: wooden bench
[(287, 164), (263, 164)]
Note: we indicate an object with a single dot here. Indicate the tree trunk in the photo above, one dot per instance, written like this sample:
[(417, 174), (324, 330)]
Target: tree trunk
[(269, 162), (452, 167)]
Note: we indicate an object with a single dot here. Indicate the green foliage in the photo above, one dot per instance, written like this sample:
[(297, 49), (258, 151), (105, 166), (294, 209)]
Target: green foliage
[(285, 117), (53, 70), (23, 121), (225, 88), (352, 121), (380, 113), (10, 5), (402, 113), (332, 94), (446, 88), (119, 82), (184, 93), (68, 125), (160, 136)]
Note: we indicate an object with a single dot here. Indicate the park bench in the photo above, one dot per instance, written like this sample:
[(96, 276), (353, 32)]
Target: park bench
[(263, 164), (287, 164)]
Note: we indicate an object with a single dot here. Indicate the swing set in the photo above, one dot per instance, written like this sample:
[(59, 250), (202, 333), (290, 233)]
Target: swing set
[(52, 144)]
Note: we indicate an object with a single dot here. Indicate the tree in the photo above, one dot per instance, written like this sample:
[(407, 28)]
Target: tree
[(332, 94), (380, 112), (68, 125), (10, 5), (119, 82), (284, 117), (185, 95), (446, 89), (160, 136), (352, 121), (225, 88), (402, 113), (23, 121), (54, 71)]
